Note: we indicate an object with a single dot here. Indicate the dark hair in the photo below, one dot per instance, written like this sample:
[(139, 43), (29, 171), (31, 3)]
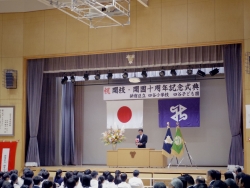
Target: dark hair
[(87, 172), (47, 184), (1, 183), (1, 174), (75, 172), (28, 174), (117, 177), (212, 173), (7, 185), (200, 180), (159, 185), (201, 185), (238, 170), (106, 174), (100, 181), (218, 175), (184, 181), (85, 180), (66, 177), (189, 179), (76, 178), (240, 175), (71, 183), (37, 180), (140, 130), (27, 181), (58, 174), (94, 174), (5, 176), (231, 183), (124, 177), (219, 183), (136, 173), (111, 178), (246, 181), (13, 178), (45, 175), (228, 175)]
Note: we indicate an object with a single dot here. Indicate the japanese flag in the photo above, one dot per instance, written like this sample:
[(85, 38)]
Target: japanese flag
[(127, 114)]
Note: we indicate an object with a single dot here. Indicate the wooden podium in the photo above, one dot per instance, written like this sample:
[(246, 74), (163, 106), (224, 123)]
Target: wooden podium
[(136, 157)]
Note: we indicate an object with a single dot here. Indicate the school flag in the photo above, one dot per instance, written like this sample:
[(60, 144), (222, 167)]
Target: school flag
[(178, 144), (167, 143)]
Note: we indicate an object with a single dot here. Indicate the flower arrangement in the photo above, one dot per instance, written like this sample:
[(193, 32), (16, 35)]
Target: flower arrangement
[(113, 136)]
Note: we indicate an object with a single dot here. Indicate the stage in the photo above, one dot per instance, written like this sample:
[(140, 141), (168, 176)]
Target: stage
[(148, 175)]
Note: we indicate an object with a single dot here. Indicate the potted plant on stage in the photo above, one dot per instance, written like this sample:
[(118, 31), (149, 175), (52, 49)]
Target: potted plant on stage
[(113, 136)]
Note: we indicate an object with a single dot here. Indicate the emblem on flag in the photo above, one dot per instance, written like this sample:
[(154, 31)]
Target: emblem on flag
[(178, 144), (167, 143)]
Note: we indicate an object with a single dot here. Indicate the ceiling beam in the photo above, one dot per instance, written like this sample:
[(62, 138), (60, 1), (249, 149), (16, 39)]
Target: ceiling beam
[(144, 2)]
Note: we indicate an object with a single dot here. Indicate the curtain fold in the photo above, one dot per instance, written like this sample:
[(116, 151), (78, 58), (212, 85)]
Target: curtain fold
[(34, 92), (68, 127), (233, 76)]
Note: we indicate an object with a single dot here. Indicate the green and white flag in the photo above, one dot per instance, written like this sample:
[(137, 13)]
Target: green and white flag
[(178, 144)]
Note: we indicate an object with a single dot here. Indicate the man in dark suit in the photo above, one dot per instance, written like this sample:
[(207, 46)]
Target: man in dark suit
[(143, 139), (190, 180), (211, 177)]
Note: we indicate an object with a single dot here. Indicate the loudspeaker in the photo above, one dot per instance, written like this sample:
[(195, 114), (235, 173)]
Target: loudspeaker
[(10, 79)]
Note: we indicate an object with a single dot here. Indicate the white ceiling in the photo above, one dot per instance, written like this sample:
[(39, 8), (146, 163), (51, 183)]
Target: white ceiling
[(7, 6)]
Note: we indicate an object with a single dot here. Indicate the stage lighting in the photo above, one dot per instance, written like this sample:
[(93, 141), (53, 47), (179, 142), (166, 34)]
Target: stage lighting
[(125, 74), (97, 76), (144, 73), (86, 76), (201, 73), (109, 75), (64, 79), (190, 71), (72, 79), (162, 73), (173, 72), (214, 72)]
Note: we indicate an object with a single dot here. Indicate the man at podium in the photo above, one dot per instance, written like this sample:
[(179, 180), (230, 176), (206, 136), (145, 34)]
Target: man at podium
[(141, 139)]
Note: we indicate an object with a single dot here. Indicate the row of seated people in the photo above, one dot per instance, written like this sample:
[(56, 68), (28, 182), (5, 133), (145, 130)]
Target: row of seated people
[(91, 179)]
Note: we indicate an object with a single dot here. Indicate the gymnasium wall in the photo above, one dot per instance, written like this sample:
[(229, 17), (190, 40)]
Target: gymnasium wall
[(209, 144)]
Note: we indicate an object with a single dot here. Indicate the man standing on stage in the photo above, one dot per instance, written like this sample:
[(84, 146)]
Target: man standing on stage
[(142, 139)]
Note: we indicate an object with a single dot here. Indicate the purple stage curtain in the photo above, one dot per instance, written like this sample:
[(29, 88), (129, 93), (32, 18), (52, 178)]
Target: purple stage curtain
[(34, 92), (233, 75)]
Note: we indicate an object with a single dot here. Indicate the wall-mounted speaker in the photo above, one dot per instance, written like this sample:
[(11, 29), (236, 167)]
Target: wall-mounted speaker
[(10, 79)]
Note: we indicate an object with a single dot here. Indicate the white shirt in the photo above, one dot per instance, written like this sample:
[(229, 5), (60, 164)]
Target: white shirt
[(16, 186), (41, 184), (141, 136), (94, 183), (20, 181), (136, 182), (111, 185), (123, 185)]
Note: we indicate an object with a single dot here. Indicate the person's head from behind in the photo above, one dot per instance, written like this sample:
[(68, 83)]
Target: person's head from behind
[(220, 184), (201, 185), (124, 177), (94, 174), (140, 131), (111, 178), (58, 174), (7, 185), (66, 177), (106, 174), (101, 180), (200, 180), (28, 174), (75, 172), (76, 179), (37, 180), (159, 185), (176, 183), (1, 174), (28, 182), (238, 170), (211, 175), (228, 175), (71, 183), (14, 178), (231, 183), (245, 181), (218, 175), (189, 179), (87, 172), (47, 184), (6, 176), (45, 175), (136, 173), (184, 181), (85, 180), (238, 177)]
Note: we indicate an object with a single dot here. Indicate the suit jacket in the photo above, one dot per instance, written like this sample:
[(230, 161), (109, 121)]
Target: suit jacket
[(143, 140), (211, 184)]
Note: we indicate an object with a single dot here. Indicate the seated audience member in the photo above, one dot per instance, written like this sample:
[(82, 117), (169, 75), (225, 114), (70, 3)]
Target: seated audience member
[(218, 175), (231, 183), (47, 184), (101, 181), (238, 170), (105, 175), (20, 180), (1, 175), (111, 183), (94, 181), (117, 177), (75, 172), (28, 174), (219, 184), (85, 180), (1, 183), (159, 185), (201, 185), (228, 175), (199, 180), (37, 181), (176, 183), (190, 180), (6, 178), (14, 180), (58, 177), (245, 181), (71, 183), (238, 177), (76, 179), (123, 183), (211, 177), (65, 178), (45, 176), (184, 182), (27, 183), (87, 172), (7, 185), (136, 182)]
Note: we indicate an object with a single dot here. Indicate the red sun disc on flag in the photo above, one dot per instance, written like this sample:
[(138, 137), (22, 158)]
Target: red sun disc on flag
[(124, 114)]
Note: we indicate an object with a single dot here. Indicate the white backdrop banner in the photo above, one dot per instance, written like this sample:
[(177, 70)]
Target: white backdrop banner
[(127, 114), (5, 159), (152, 91)]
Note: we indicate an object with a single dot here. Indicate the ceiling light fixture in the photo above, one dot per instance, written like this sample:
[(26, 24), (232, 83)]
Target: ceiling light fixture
[(144, 73), (72, 79), (173, 72), (64, 79), (86, 76), (109, 75), (201, 73), (162, 72), (214, 72), (125, 74), (97, 75)]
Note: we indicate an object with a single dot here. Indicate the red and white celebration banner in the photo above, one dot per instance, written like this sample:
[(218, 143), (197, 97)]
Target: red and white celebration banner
[(7, 155), (127, 114)]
